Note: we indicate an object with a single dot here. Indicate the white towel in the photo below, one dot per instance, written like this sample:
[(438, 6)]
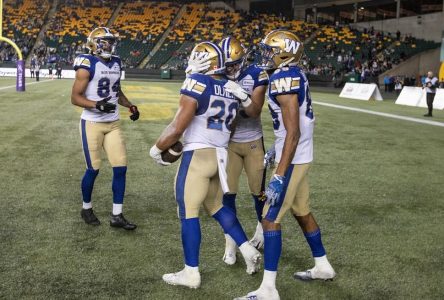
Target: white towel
[(222, 160)]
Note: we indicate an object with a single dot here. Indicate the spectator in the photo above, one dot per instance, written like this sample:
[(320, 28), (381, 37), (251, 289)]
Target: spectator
[(430, 84)]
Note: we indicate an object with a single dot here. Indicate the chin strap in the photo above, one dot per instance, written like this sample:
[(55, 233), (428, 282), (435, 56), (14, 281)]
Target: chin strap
[(286, 62)]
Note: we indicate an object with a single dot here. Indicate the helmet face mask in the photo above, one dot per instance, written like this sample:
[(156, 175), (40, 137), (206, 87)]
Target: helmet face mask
[(101, 42), (235, 55), (233, 70)]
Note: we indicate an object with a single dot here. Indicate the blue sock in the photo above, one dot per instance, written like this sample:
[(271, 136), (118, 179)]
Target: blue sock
[(230, 224), (191, 237), (259, 206), (119, 181), (229, 200), (272, 249), (88, 184), (315, 242)]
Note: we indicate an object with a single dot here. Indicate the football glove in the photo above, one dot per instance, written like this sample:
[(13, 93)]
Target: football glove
[(270, 157), (274, 189), (156, 154), (106, 107), (134, 113), (197, 65), (238, 92)]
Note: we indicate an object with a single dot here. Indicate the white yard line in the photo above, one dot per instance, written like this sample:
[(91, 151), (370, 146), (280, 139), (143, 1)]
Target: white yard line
[(26, 84), (428, 122)]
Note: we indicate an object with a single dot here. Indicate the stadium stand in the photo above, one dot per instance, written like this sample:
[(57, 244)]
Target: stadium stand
[(331, 51), (140, 24), (21, 23)]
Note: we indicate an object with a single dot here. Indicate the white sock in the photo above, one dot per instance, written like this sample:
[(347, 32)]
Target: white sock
[(87, 205), (269, 280), (117, 209), (259, 227), (191, 269), (229, 241), (321, 262)]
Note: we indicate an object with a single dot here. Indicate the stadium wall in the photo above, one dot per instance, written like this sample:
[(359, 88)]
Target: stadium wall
[(428, 27), (419, 64)]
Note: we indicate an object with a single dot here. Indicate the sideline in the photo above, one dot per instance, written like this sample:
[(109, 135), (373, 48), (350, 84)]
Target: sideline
[(410, 119), (26, 84)]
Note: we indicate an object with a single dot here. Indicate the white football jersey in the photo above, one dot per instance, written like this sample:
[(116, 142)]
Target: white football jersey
[(104, 81), (210, 127), (249, 129), (291, 80)]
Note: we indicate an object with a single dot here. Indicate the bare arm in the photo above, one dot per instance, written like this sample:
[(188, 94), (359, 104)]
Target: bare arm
[(78, 90), (123, 100), (290, 115), (173, 132), (257, 101)]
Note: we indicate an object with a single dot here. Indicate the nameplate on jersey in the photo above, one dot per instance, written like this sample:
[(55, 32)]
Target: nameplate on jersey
[(248, 82), (192, 85), (285, 84)]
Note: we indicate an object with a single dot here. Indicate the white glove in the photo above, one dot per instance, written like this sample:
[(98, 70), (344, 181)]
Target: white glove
[(156, 154), (238, 92), (197, 65), (269, 157)]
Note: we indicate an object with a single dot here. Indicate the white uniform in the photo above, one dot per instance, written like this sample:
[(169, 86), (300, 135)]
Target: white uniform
[(215, 113), (249, 129), (291, 80), (104, 82), (433, 81)]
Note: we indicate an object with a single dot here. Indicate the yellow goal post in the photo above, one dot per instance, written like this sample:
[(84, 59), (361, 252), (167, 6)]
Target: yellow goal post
[(20, 83)]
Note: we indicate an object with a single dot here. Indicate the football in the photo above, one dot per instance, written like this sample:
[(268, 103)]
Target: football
[(173, 153)]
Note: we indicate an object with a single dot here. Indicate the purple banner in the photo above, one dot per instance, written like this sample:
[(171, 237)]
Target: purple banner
[(20, 87)]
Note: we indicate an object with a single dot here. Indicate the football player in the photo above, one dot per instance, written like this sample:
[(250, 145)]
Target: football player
[(246, 147), (97, 89), (206, 111), (293, 122)]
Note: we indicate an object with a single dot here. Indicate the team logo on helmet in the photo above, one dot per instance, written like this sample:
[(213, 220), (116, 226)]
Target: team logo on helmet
[(212, 53), (280, 48)]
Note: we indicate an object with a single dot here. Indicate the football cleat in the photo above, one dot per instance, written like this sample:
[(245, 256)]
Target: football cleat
[(230, 250), (120, 222), (185, 277), (261, 294), (89, 217), (325, 273), (257, 241), (252, 258)]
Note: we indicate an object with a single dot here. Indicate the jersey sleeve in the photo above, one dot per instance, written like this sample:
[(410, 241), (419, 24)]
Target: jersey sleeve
[(286, 82), (261, 78), (82, 62), (196, 87)]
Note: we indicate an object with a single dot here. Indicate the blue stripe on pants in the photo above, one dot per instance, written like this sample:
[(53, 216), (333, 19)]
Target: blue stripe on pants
[(273, 211), (180, 182), (85, 145)]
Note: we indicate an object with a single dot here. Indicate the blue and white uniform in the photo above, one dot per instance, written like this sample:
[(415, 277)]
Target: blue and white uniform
[(291, 80), (104, 81), (216, 111), (249, 129)]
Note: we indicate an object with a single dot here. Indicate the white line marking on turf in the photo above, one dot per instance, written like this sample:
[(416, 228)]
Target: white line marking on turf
[(26, 84), (434, 123)]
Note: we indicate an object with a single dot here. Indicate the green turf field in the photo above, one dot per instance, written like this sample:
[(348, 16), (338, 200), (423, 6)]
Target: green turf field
[(376, 191)]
